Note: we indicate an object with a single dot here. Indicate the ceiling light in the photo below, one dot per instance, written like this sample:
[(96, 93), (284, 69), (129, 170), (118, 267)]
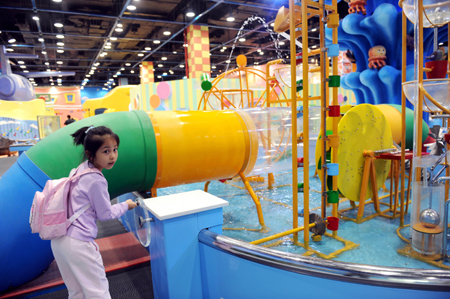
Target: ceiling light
[(88, 75), (47, 63), (119, 25), (315, 46), (111, 79), (242, 39), (261, 53), (182, 65), (59, 84), (213, 67), (60, 44), (140, 54), (93, 68), (227, 61), (222, 50), (49, 70), (156, 41), (20, 62), (148, 48), (185, 45), (281, 43), (118, 73), (36, 18), (163, 58), (59, 25), (23, 66), (171, 72), (132, 71), (127, 64), (107, 47), (160, 65), (259, 50), (167, 32), (12, 40), (159, 77), (41, 39), (60, 51), (210, 54), (174, 52), (131, 7), (115, 76), (97, 64), (9, 49), (118, 29), (59, 62), (59, 36), (190, 14), (272, 24), (440, 44), (25, 71), (44, 52), (57, 0), (113, 38), (230, 19), (122, 69), (256, 63), (314, 29), (104, 53)]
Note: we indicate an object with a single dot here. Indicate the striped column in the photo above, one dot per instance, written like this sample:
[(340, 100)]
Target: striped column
[(198, 51), (147, 72)]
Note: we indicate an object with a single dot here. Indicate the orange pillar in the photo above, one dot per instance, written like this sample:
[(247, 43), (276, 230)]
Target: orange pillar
[(198, 51), (147, 72)]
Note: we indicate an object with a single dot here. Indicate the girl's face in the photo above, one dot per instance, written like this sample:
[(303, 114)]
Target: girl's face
[(106, 155)]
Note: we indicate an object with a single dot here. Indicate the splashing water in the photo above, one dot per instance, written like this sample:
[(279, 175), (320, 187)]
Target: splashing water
[(274, 37)]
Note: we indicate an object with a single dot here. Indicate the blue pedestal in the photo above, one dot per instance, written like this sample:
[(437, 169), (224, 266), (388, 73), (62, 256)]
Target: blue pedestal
[(174, 247)]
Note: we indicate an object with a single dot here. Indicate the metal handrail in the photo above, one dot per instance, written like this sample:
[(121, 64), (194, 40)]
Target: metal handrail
[(405, 278)]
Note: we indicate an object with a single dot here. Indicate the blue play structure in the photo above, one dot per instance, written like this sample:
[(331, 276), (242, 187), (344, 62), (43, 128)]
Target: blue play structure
[(381, 26), (191, 259)]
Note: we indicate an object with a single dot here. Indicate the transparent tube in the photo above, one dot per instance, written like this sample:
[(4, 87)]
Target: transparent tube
[(436, 12), (272, 131)]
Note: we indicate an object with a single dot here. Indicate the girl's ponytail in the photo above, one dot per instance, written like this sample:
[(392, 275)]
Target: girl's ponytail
[(79, 136)]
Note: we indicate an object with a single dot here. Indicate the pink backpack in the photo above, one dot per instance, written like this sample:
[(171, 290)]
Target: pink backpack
[(48, 214)]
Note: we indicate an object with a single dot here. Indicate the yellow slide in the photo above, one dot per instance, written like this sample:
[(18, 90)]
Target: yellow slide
[(116, 100)]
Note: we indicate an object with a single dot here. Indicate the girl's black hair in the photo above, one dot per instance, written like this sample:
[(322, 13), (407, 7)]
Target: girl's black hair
[(93, 139)]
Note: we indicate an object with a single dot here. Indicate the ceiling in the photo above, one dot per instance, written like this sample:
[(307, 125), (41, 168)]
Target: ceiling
[(89, 25)]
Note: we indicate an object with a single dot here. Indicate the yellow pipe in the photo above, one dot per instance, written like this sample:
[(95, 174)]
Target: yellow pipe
[(305, 128), (402, 161), (335, 119), (286, 233), (425, 93), (254, 197), (195, 140), (294, 110)]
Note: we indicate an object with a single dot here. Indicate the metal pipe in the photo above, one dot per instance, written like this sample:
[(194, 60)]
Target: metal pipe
[(180, 31), (404, 278), (434, 180)]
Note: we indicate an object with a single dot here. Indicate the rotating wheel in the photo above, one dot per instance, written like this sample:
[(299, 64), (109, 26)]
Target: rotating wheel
[(142, 222), (363, 127)]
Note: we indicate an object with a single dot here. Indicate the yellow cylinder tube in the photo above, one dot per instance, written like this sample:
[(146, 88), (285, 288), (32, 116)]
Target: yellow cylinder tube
[(192, 141)]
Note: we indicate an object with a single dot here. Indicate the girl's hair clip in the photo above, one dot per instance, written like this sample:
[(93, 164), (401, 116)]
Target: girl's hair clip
[(91, 127)]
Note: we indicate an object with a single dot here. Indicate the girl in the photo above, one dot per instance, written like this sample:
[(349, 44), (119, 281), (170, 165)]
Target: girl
[(76, 253)]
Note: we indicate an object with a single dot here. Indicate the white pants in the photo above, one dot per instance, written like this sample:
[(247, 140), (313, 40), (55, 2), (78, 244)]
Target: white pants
[(81, 267)]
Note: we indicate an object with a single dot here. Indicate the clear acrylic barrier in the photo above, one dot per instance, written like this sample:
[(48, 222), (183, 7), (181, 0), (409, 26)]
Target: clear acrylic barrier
[(436, 12), (439, 90)]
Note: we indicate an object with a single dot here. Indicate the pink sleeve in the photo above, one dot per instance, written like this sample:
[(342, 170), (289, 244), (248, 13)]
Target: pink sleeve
[(100, 202)]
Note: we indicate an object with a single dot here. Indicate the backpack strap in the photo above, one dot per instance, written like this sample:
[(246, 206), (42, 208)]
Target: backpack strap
[(77, 214), (85, 207)]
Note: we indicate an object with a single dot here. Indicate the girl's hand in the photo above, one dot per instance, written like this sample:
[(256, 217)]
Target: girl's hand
[(131, 204)]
